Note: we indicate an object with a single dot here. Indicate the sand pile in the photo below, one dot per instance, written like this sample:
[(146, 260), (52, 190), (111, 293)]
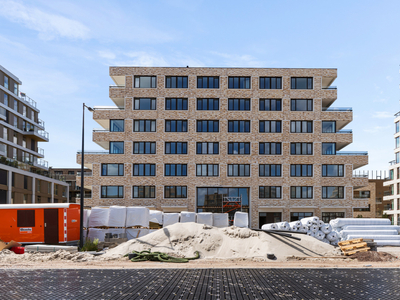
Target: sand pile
[(373, 256), (222, 243), (7, 256)]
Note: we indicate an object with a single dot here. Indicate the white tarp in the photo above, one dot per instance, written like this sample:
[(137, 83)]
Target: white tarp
[(187, 216), (294, 228), (86, 215), (220, 220), (133, 233), (314, 228), (295, 223), (374, 237), (156, 216), (332, 236), (283, 226), (320, 223), (205, 218), (387, 243), (303, 229), (241, 219), (170, 218), (340, 222), (319, 235), (359, 233), (326, 228), (137, 216), (311, 233), (325, 240), (270, 226), (371, 227), (98, 217), (116, 216), (313, 220)]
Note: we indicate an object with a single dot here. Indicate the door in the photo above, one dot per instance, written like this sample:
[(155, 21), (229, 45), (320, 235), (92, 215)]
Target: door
[(51, 226), (269, 217)]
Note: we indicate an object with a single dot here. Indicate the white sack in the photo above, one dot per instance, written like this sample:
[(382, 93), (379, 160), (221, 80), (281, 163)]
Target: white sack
[(320, 223), (340, 222), (294, 228), (170, 218), (371, 227), (326, 228), (311, 233), (314, 228), (303, 228), (241, 219), (205, 218), (374, 237), (187, 216), (156, 216), (137, 216), (359, 233), (319, 235), (220, 220), (314, 220), (283, 226), (305, 222), (332, 236), (116, 216), (295, 223), (86, 215), (98, 217), (270, 226), (96, 233)]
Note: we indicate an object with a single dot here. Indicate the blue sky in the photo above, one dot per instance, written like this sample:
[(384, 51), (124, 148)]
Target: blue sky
[(61, 51)]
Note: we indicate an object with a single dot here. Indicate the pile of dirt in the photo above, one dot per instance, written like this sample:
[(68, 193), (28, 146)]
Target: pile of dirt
[(373, 256), (7, 256)]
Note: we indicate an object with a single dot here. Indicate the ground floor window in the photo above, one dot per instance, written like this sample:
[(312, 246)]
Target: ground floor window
[(3, 196), (269, 217), (296, 216), (327, 216)]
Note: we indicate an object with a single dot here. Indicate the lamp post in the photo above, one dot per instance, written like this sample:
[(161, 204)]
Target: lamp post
[(82, 175)]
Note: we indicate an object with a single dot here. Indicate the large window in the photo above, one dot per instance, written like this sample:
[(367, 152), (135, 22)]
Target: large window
[(116, 148), (145, 104), (301, 126), (144, 191), (211, 199), (397, 157), (270, 104), (270, 82), (238, 126), (144, 126), (5, 100), (328, 126), (116, 125), (301, 192), (396, 125), (301, 105), (301, 83), (301, 148), (270, 192), (271, 126), (112, 169), (207, 170), (176, 104), (207, 126), (328, 148), (6, 82), (112, 191), (397, 142), (238, 148), (239, 104), (297, 216), (270, 148), (301, 170), (175, 147), (176, 126), (144, 147), (270, 170), (176, 82), (144, 170), (175, 192), (207, 148), (145, 82), (175, 170), (238, 82), (207, 104), (238, 170), (207, 82), (327, 216), (332, 192), (332, 170)]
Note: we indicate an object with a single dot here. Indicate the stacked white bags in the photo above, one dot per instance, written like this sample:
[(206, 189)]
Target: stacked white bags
[(98, 217), (241, 219), (137, 216), (187, 216), (220, 220), (116, 216), (205, 218), (171, 218), (156, 216)]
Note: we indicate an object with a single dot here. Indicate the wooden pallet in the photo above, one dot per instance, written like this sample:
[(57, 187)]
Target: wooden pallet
[(353, 246), (349, 242), (355, 251)]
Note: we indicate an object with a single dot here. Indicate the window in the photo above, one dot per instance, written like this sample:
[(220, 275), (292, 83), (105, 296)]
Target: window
[(270, 105), (238, 82), (145, 82), (301, 126), (397, 157), (14, 154), (301, 148), (145, 104), (25, 218), (144, 170), (397, 142), (116, 125), (112, 169), (238, 170), (297, 216), (15, 88), (270, 192), (271, 126), (144, 126), (270, 82), (207, 126), (301, 192), (176, 82), (301, 170), (176, 104), (270, 170), (15, 121), (175, 147), (238, 148), (207, 170), (238, 104), (238, 126), (327, 216), (15, 105), (24, 110), (71, 172), (301, 83), (207, 104), (25, 182), (332, 170), (6, 82), (5, 133), (144, 147), (398, 177), (116, 147), (144, 191), (332, 192), (207, 148), (328, 148), (328, 126), (176, 126), (175, 170), (397, 126), (112, 191), (175, 192), (207, 82), (5, 98), (270, 148), (301, 105)]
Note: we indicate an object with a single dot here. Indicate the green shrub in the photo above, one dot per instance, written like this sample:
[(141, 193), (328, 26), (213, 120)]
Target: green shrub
[(90, 245)]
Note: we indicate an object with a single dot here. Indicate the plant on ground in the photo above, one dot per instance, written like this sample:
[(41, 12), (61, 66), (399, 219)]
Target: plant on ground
[(90, 245)]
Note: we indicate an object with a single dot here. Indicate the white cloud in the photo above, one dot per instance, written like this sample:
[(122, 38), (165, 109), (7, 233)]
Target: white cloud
[(382, 100), (377, 129), (382, 115), (142, 58), (48, 25), (389, 78), (106, 54), (235, 60)]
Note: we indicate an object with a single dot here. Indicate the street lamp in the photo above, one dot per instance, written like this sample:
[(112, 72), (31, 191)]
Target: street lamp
[(82, 173)]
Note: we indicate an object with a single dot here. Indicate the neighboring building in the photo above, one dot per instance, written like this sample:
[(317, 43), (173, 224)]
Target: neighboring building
[(199, 138), (373, 192), (24, 175)]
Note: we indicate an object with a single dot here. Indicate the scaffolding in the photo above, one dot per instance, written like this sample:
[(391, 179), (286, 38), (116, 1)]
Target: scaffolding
[(230, 205)]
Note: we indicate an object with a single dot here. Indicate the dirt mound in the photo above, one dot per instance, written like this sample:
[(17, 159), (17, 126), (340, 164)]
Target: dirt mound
[(61, 255), (373, 256)]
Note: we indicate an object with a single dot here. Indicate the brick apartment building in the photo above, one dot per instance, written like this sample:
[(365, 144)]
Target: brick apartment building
[(196, 138)]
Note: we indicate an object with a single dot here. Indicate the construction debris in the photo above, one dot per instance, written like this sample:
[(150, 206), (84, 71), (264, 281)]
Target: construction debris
[(353, 246)]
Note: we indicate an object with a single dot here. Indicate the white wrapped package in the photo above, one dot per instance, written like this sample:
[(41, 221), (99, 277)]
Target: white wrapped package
[(220, 220), (320, 223), (387, 243), (241, 219), (205, 218), (305, 222), (326, 228), (332, 236), (116, 216), (340, 222), (294, 228), (319, 235), (311, 233), (359, 233), (137, 216), (271, 226), (86, 215), (295, 223), (98, 217), (133, 233), (96, 233), (314, 228), (374, 237), (302, 229), (115, 231), (170, 218), (187, 216), (314, 220), (371, 227), (325, 240), (335, 242), (156, 216), (283, 226)]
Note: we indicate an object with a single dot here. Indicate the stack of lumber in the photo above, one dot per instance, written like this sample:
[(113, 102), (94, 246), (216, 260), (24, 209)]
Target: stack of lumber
[(350, 247)]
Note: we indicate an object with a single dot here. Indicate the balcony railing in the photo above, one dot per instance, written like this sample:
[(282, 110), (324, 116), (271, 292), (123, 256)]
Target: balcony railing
[(41, 123), (86, 173), (108, 108), (28, 100), (360, 175), (113, 86), (392, 162), (332, 87), (345, 131), (101, 130), (397, 114), (361, 196), (40, 151), (93, 152), (387, 193), (40, 163), (352, 153), (337, 109), (40, 132)]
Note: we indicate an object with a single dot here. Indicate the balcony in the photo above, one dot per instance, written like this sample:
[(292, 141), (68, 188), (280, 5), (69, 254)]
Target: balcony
[(41, 135), (117, 94), (101, 130), (40, 163), (352, 153), (40, 123), (29, 167), (332, 87), (387, 193), (108, 108), (345, 131), (392, 162), (85, 173), (40, 151), (113, 86), (28, 100), (337, 109)]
